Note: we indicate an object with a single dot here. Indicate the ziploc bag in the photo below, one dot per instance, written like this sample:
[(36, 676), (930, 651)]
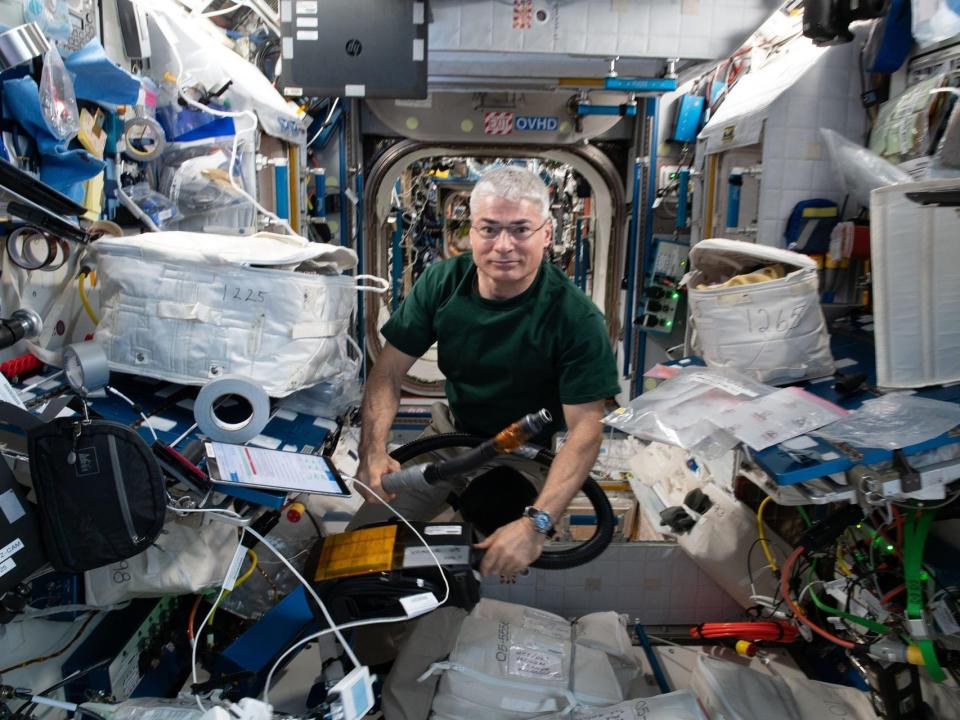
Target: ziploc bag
[(678, 411)]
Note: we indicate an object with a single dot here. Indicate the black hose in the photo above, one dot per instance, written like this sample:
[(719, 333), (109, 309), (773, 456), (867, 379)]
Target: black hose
[(549, 559)]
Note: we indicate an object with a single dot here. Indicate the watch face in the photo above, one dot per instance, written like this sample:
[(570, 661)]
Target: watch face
[(541, 521)]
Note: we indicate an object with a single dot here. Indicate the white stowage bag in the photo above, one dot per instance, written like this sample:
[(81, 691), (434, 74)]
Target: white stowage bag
[(514, 662), (773, 330), (730, 691), (184, 559), (192, 307), (678, 705)]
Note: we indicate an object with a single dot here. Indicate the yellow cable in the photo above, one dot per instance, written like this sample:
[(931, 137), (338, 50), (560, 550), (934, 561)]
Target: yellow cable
[(253, 566), (763, 537), (84, 299), (240, 581), (841, 563)]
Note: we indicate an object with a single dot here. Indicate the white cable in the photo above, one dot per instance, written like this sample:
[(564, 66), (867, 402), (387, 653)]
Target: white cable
[(325, 124), (313, 593), (199, 632), (223, 11), (185, 433), (372, 621), (310, 638), (181, 71), (39, 382), (130, 402)]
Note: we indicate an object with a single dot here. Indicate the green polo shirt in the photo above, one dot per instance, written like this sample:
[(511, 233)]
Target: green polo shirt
[(502, 359)]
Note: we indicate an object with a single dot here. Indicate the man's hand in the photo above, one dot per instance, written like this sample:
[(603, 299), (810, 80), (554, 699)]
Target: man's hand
[(511, 548), (373, 466)]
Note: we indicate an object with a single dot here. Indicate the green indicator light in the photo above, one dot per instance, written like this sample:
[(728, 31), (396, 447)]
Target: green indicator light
[(669, 323), (889, 548), (859, 526), (924, 576), (675, 296)]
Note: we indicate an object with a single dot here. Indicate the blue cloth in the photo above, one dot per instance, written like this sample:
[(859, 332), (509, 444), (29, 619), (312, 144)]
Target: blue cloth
[(60, 168), (98, 79)]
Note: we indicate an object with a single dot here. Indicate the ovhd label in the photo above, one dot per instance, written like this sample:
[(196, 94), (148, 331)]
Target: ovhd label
[(536, 123)]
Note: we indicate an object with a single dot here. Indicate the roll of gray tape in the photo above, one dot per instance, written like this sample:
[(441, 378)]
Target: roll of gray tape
[(218, 429), (22, 44), (86, 366)]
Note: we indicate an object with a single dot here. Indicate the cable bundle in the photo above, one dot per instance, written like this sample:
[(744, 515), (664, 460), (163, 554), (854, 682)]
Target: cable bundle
[(768, 630)]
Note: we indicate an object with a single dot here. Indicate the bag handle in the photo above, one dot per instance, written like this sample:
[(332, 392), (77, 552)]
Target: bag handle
[(379, 285)]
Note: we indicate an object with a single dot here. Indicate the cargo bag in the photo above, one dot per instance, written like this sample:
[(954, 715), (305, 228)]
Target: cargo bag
[(510, 662), (192, 307), (767, 326)]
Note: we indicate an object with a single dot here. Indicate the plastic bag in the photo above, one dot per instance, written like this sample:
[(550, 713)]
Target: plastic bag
[(157, 206), (51, 16), (860, 169), (197, 177), (893, 422), (677, 412), (57, 99), (934, 21)]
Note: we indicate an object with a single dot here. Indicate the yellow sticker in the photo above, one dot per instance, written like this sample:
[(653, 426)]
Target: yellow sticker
[(360, 552)]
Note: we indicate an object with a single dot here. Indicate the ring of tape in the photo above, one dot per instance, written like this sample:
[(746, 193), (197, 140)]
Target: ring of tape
[(92, 360), (144, 125), (215, 427), (22, 254), (60, 258)]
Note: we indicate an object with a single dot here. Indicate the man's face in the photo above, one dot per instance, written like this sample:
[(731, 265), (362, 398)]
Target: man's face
[(508, 259)]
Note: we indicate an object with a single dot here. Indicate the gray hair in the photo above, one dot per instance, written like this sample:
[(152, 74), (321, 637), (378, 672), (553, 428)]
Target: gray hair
[(512, 183)]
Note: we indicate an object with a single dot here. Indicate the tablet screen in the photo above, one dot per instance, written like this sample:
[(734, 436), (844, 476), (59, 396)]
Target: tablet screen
[(273, 469)]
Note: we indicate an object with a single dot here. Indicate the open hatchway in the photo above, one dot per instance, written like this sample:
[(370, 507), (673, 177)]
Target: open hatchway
[(419, 213)]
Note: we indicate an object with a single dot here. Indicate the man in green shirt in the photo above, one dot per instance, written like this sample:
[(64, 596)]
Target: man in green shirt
[(513, 335)]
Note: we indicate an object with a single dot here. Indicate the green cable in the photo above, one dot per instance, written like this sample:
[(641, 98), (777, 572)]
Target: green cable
[(865, 622), (803, 514), (914, 538)]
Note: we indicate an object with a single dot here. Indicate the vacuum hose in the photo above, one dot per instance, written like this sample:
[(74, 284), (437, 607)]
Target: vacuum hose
[(549, 559)]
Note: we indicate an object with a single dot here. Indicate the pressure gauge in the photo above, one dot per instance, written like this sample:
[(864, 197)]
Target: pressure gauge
[(85, 366)]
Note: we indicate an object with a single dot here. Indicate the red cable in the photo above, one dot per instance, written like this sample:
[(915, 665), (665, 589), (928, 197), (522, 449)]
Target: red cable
[(772, 631), (785, 572), (892, 594)]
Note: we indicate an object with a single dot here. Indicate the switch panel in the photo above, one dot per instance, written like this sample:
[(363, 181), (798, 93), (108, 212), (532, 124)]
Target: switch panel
[(661, 293)]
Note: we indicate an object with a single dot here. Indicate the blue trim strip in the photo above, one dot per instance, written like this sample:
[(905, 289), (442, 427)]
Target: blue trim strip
[(683, 191), (653, 659), (652, 110), (631, 269), (627, 110), (640, 84)]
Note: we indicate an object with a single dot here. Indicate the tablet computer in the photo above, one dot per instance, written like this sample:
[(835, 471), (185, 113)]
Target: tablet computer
[(273, 470)]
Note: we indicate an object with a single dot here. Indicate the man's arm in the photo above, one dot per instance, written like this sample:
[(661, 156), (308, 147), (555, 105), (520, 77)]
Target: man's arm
[(514, 546), (381, 399)]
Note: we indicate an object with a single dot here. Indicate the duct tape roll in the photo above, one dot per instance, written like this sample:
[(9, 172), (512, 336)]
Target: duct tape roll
[(86, 367), (217, 428), (143, 139), (22, 44)]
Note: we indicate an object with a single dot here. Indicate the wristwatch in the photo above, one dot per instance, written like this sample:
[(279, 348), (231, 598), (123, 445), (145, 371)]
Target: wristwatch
[(542, 522)]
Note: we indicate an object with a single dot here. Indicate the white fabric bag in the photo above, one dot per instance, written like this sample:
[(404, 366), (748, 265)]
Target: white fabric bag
[(184, 559), (773, 330), (519, 669), (678, 705), (730, 691), (192, 307)]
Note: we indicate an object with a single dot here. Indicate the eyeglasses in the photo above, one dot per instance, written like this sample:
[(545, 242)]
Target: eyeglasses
[(518, 231)]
